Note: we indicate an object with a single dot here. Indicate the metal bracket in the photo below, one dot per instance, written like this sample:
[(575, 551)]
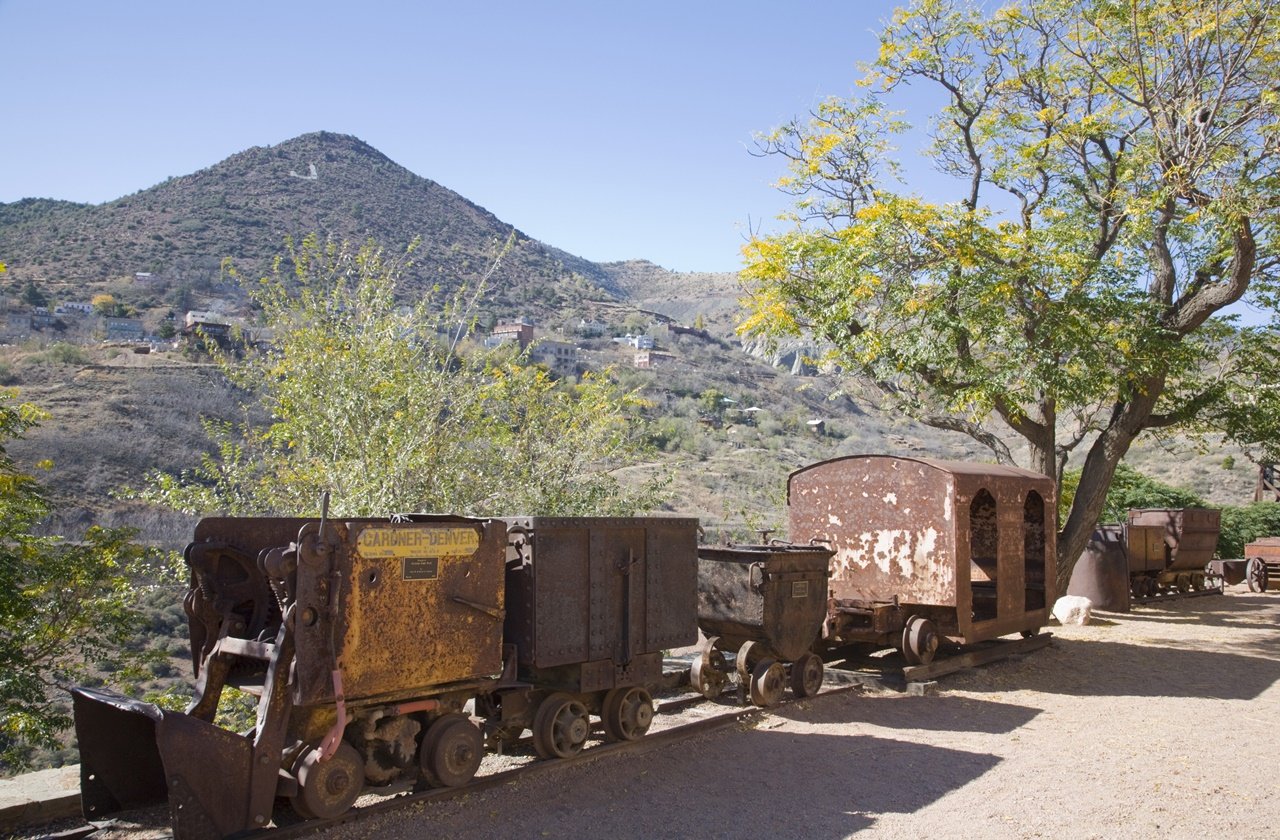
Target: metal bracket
[(495, 612)]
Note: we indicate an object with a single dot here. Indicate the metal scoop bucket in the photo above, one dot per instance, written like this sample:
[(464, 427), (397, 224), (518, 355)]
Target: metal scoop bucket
[(135, 755)]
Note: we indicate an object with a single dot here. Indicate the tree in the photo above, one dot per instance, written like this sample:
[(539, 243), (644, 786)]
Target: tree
[(63, 605), (388, 409), (1115, 168), (32, 296), (107, 306)]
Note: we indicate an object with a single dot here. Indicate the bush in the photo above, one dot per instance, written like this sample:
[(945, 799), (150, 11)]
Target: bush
[(1242, 525), (65, 354)]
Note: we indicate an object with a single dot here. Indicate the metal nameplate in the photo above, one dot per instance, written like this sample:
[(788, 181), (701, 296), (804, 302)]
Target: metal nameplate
[(377, 543), (420, 568), (799, 589)]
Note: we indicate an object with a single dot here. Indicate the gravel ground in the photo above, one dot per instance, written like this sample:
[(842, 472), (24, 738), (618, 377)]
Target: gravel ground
[(1159, 723)]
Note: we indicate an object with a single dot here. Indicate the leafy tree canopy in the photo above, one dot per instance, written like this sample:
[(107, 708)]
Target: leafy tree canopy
[(1116, 182), (390, 408), (64, 606)]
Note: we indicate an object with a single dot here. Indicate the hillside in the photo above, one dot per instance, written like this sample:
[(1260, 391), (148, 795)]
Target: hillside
[(117, 415), (243, 208)]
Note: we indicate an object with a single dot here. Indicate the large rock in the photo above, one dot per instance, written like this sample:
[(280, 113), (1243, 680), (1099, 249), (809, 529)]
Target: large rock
[(1073, 609)]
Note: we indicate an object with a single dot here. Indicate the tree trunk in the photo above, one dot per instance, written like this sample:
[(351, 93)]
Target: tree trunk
[(1100, 464)]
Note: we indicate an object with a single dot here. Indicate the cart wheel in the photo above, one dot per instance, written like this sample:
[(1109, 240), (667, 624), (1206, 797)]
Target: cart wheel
[(768, 680), (806, 675), (1256, 574), (451, 751), (1029, 633), (709, 673), (1183, 583), (327, 789), (560, 727), (1197, 582), (627, 713), (744, 663), (919, 641)]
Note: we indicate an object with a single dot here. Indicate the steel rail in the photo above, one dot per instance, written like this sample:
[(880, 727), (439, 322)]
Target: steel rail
[(656, 740)]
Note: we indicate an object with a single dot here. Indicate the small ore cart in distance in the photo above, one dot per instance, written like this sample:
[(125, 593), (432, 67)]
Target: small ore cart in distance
[(1262, 564), (926, 549), (766, 603), (1154, 552), (1169, 548)]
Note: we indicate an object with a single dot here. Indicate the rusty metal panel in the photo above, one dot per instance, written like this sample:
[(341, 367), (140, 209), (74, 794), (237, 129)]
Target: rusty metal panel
[(1268, 548), (890, 521), (251, 533), (617, 564), (1019, 576), (1181, 539), (408, 605), (196, 753), (601, 588), (936, 534), (1102, 572), (1231, 571), (671, 583), (120, 766), (773, 594)]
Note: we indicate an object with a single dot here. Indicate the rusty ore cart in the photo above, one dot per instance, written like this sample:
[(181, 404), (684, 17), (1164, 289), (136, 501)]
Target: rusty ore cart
[(766, 605), (1155, 552), (592, 603), (1169, 548), (926, 549), (366, 639), (1262, 571)]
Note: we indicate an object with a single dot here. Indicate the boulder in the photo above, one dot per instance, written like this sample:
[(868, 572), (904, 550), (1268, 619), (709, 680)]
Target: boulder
[(1073, 609)]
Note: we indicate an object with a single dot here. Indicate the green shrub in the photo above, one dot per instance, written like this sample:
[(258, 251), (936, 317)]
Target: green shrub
[(62, 353), (1242, 525)]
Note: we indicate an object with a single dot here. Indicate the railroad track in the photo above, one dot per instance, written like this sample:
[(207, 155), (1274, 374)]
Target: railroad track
[(610, 749), (1176, 596), (154, 822), (842, 678)]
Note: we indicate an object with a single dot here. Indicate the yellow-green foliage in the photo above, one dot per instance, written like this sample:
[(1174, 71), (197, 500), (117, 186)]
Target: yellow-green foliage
[(390, 408), (63, 604), (1115, 170)]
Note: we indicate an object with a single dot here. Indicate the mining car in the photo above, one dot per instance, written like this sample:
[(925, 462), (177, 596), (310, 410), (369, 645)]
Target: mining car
[(926, 549)]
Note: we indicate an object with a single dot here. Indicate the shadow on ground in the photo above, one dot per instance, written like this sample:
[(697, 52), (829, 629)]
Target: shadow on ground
[(1098, 668), (1234, 610), (940, 713), (731, 784)]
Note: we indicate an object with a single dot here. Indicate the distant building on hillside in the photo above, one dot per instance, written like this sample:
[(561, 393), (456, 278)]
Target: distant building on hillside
[(520, 333), (560, 357), (210, 325), (124, 329), (639, 342), (590, 329), (652, 359)]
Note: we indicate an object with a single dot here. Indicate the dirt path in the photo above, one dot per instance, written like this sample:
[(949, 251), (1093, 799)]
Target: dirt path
[(1161, 723)]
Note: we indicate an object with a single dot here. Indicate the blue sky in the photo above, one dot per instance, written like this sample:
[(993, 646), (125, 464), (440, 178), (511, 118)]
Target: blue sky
[(611, 130)]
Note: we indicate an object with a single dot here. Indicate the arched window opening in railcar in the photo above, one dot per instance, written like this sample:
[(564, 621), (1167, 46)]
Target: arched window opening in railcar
[(984, 553), (1033, 548)]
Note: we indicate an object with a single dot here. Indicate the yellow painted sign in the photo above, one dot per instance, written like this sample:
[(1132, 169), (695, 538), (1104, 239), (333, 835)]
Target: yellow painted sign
[(417, 542)]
